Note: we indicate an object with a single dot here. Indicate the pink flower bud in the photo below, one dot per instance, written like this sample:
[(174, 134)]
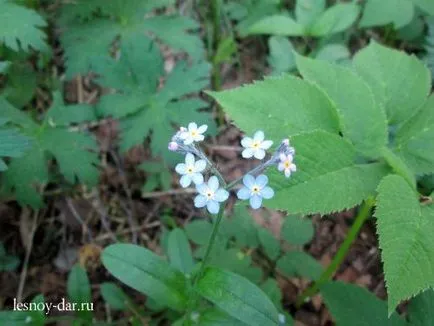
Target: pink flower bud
[(173, 146), (285, 142)]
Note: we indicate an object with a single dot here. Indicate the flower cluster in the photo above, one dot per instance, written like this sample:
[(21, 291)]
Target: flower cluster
[(215, 191)]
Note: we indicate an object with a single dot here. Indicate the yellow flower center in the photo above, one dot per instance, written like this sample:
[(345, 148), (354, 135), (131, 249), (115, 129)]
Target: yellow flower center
[(209, 194), (287, 164), (190, 170), (194, 133), (255, 189), (256, 144)]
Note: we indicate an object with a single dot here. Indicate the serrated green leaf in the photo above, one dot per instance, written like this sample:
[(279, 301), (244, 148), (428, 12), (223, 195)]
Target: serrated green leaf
[(63, 115), (114, 296), (270, 244), (308, 11), (383, 12), (148, 273), (363, 121), (399, 167), (329, 180), (281, 58), (335, 19), (297, 230), (352, 305), (268, 105), (238, 297), (16, 35), (299, 264), (79, 291), (280, 25), (179, 251), (388, 72), (420, 311), (12, 144), (405, 231), (414, 139)]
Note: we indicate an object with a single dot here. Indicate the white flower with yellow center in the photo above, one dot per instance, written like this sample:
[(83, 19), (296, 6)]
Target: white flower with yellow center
[(191, 171), (286, 164), (256, 146), (192, 133)]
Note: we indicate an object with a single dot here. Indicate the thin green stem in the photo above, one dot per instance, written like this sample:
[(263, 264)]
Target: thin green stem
[(361, 217)]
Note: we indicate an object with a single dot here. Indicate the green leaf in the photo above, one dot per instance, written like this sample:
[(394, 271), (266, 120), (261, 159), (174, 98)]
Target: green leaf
[(238, 297), (16, 35), (299, 264), (148, 273), (388, 72), (12, 144), (199, 231), (420, 311), (363, 121), (248, 13), (405, 231), (413, 140), (225, 50), (281, 58), (25, 318), (308, 11), (179, 251), (425, 5), (384, 12), (131, 22), (353, 305), (4, 65), (297, 230), (270, 244), (79, 291), (333, 53), (272, 290), (216, 317), (329, 180), (21, 85), (63, 115), (335, 19), (114, 296), (243, 228), (280, 113), (399, 167), (276, 25)]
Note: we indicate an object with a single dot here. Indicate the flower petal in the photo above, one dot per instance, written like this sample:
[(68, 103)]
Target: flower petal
[(287, 173), (221, 195), (247, 153), (259, 136), (213, 183), (202, 188), (202, 129), (243, 193), (259, 154), (261, 180), (199, 137), (267, 193), (189, 159), (281, 167), (199, 201), (197, 178), (249, 181), (185, 181), (212, 206), (255, 201), (266, 144), (183, 135), (246, 142), (293, 167), (200, 165), (180, 168), (188, 141), (282, 157), (192, 126)]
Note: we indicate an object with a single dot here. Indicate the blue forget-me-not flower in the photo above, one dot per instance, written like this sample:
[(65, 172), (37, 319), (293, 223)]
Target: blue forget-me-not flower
[(255, 189), (193, 133), (256, 146), (210, 195), (191, 170)]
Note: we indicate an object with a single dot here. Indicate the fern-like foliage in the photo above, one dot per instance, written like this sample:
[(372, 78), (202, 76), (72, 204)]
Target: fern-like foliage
[(89, 28)]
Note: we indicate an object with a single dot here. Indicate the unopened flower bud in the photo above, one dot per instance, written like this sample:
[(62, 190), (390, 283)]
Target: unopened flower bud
[(285, 142), (173, 146)]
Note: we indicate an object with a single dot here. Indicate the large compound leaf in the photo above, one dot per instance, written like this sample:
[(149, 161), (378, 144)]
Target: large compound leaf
[(353, 305), (405, 229), (16, 34), (388, 72), (414, 139), (383, 12), (131, 21), (281, 106), (363, 120), (327, 179)]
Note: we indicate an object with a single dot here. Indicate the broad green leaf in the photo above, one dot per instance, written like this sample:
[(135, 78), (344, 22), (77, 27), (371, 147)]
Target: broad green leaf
[(199, 231), (297, 230), (63, 115), (179, 251), (238, 297), (299, 264), (353, 305), (12, 144), (405, 229), (363, 121), (281, 58), (233, 260), (114, 296), (383, 12), (273, 291), (414, 139), (333, 53), (335, 19), (16, 35), (420, 312), (250, 12), (276, 25), (270, 244), (148, 273), (388, 72), (79, 291), (308, 11), (399, 166), (329, 180), (243, 228), (281, 113), (426, 5), (225, 50)]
